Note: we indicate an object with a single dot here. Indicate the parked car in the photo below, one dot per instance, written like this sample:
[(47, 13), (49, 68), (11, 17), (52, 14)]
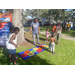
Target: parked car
[(26, 24), (47, 24)]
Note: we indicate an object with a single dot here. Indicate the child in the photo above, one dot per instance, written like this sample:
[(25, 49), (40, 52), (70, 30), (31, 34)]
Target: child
[(52, 43), (12, 44), (47, 35)]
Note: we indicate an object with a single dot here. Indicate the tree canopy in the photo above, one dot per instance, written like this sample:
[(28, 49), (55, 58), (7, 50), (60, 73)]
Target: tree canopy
[(56, 14)]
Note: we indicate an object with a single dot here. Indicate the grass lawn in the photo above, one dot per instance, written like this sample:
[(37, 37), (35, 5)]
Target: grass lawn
[(65, 54), (43, 29), (70, 33)]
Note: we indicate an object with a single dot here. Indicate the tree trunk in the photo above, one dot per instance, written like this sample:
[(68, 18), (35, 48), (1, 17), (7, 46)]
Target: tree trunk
[(17, 21)]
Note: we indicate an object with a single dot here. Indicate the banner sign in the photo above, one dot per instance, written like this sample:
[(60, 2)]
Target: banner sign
[(5, 24)]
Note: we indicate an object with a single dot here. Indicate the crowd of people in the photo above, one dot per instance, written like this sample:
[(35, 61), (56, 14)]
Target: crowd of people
[(11, 44), (66, 26)]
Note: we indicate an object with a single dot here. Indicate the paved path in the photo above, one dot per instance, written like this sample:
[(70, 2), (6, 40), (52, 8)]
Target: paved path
[(64, 36)]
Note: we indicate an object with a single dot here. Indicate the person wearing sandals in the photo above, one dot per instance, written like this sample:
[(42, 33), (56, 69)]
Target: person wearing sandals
[(11, 45), (58, 32)]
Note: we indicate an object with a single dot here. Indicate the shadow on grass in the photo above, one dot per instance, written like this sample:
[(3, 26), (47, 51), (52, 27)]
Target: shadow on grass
[(4, 56), (29, 41), (36, 45), (35, 60)]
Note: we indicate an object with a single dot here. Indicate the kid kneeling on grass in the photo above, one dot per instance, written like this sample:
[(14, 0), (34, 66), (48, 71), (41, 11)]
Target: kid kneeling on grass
[(12, 45), (52, 44)]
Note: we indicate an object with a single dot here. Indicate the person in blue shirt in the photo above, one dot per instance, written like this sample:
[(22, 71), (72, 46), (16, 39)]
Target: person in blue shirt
[(35, 30)]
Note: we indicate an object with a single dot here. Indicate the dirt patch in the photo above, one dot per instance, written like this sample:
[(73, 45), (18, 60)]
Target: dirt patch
[(27, 44), (29, 40)]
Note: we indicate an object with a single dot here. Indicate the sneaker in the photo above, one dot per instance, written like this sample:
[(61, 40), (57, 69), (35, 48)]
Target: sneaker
[(39, 43), (45, 41), (11, 63), (16, 64), (53, 52), (34, 44)]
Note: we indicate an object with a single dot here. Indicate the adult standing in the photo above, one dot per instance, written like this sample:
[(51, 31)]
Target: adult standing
[(58, 32), (53, 29), (35, 30), (64, 25), (68, 26)]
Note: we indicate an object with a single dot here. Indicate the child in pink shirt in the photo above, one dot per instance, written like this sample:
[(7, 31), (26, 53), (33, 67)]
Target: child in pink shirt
[(47, 35)]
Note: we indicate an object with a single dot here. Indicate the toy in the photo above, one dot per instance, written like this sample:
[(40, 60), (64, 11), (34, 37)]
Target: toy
[(20, 58), (42, 55)]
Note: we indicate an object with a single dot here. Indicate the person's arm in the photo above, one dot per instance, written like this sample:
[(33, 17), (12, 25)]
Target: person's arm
[(50, 40), (56, 31), (39, 29), (46, 32), (61, 28), (30, 30), (54, 40), (11, 40)]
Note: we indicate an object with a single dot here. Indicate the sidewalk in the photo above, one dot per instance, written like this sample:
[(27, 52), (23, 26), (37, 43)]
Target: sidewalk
[(64, 36)]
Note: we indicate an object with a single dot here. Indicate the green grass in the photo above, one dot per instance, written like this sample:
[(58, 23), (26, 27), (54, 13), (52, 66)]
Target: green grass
[(43, 29), (70, 33), (65, 54)]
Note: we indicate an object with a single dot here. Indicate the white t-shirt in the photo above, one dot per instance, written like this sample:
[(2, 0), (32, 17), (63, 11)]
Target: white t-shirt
[(9, 45)]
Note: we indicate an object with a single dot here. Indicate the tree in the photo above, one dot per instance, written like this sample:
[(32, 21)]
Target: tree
[(17, 21)]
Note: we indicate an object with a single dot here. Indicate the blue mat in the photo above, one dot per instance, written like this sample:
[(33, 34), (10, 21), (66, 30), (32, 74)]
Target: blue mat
[(26, 57)]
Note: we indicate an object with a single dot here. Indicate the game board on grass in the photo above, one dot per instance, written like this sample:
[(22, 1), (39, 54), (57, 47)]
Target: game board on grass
[(31, 52)]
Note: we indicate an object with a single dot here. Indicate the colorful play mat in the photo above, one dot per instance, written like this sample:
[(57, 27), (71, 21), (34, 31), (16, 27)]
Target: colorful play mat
[(31, 52)]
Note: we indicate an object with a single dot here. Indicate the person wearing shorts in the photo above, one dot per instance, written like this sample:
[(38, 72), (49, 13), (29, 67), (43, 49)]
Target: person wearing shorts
[(11, 45)]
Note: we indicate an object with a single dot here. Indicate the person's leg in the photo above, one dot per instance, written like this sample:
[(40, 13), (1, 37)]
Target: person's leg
[(46, 38), (53, 47), (10, 57), (14, 58), (37, 35), (67, 28), (50, 48), (57, 38), (33, 38)]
